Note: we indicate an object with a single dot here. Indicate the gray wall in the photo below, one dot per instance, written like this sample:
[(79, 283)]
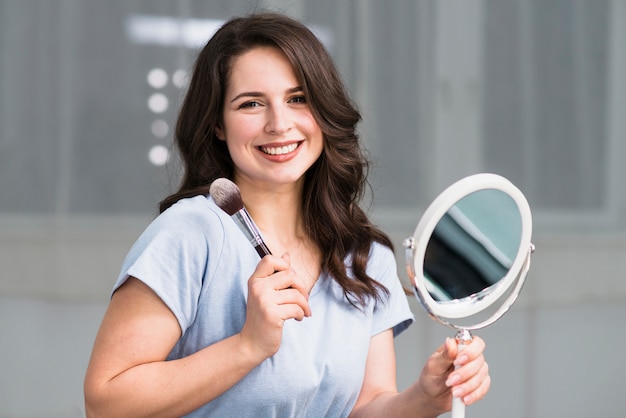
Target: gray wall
[(533, 90)]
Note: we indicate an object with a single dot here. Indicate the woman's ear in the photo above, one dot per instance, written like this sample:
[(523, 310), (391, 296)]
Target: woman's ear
[(219, 133)]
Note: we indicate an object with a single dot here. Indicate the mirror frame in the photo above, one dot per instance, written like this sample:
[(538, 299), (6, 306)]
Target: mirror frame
[(426, 226)]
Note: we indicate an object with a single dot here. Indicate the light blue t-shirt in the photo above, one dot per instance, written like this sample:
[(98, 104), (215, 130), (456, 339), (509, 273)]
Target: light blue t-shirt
[(198, 262)]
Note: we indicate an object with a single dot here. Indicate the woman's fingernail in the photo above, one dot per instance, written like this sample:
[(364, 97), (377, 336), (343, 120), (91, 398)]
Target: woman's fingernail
[(456, 392), (452, 380), (460, 360)]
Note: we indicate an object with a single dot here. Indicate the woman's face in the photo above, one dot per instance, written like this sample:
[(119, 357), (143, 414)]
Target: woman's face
[(268, 126)]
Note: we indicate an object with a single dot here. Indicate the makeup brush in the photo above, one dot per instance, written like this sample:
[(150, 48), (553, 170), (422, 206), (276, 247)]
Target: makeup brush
[(227, 196)]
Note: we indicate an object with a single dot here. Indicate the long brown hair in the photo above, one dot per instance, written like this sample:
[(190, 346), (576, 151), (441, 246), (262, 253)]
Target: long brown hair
[(334, 185)]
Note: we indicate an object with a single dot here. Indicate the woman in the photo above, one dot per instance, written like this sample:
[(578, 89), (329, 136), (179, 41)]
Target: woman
[(198, 325)]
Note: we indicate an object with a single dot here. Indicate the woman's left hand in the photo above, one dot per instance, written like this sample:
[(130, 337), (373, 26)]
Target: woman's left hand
[(462, 373), (431, 395)]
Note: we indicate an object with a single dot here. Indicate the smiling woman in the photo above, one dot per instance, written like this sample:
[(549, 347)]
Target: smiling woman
[(78, 184), (198, 325)]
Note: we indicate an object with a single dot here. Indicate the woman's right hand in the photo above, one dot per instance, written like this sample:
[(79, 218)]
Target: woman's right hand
[(128, 373), (275, 294)]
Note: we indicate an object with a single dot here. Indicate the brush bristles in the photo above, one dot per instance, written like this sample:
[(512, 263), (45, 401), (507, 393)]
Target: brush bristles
[(227, 196)]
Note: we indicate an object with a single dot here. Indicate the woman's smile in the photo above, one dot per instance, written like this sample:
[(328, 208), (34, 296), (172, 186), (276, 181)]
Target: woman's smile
[(280, 150)]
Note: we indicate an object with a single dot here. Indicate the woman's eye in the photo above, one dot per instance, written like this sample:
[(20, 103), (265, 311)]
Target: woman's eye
[(249, 104), (298, 99)]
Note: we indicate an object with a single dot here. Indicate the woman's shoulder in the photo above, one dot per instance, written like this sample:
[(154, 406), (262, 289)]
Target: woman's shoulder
[(196, 210), (195, 216), (382, 263), (381, 253), (196, 204)]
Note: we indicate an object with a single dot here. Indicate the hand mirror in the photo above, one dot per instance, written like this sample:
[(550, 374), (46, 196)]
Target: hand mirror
[(469, 255)]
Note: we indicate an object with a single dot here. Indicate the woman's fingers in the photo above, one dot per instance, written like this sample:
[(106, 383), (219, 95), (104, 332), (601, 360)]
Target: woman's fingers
[(271, 264), (440, 362), (275, 294), (475, 388), (470, 380), (275, 273), (270, 298), (291, 296)]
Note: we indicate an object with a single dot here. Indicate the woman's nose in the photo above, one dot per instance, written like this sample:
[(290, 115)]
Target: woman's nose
[(278, 120)]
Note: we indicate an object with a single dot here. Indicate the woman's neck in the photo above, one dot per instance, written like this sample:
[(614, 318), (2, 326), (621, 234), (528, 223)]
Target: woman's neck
[(277, 210)]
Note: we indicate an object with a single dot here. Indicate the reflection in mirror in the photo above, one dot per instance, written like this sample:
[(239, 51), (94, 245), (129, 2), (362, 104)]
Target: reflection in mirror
[(477, 239)]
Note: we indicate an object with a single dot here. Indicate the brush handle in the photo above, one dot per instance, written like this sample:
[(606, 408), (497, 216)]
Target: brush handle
[(246, 224), (262, 249)]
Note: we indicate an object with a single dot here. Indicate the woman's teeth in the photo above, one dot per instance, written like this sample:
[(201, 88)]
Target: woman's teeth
[(280, 150)]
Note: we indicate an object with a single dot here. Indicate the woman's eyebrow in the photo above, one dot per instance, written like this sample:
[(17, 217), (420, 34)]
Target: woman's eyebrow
[(247, 94), (295, 89)]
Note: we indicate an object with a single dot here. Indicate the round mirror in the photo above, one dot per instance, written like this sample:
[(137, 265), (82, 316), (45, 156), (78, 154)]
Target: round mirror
[(470, 254), (470, 250)]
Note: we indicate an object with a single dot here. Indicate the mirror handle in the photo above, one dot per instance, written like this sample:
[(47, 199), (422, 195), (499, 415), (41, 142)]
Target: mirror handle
[(463, 338)]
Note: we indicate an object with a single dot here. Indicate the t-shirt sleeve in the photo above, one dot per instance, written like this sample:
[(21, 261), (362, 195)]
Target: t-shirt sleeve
[(171, 258), (393, 311)]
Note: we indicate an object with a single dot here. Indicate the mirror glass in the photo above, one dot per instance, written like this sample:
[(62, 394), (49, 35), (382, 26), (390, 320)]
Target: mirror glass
[(473, 246)]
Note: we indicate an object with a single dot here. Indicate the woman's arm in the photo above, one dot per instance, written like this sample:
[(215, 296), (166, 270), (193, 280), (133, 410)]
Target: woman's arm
[(128, 374), (431, 394)]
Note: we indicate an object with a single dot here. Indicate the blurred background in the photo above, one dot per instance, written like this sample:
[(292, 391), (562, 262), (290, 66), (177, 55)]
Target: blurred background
[(534, 90)]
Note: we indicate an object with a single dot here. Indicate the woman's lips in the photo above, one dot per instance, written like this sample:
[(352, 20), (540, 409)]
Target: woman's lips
[(279, 149)]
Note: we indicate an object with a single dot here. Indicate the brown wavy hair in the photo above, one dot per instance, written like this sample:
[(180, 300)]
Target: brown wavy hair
[(336, 182)]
